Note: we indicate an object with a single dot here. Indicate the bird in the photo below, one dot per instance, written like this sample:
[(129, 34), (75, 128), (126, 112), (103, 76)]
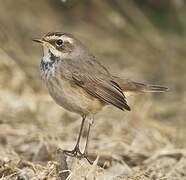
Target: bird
[(78, 82)]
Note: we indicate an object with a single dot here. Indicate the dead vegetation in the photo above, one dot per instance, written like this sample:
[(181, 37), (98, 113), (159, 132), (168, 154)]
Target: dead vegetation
[(148, 143)]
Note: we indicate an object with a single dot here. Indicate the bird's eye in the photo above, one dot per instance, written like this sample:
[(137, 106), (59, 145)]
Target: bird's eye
[(59, 42)]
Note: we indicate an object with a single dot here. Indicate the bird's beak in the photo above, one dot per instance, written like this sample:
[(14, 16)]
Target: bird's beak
[(38, 40)]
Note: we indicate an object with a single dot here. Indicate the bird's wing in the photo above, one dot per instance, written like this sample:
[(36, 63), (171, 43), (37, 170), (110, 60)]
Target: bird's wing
[(93, 81)]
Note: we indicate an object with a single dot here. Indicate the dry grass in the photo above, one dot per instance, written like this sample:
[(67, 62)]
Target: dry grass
[(148, 143)]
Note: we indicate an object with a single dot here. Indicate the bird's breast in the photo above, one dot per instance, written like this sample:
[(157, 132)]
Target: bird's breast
[(72, 97)]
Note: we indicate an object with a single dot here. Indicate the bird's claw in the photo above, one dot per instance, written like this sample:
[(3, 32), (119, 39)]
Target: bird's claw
[(78, 154)]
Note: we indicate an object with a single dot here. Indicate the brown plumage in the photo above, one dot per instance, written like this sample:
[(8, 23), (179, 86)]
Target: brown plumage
[(79, 83), (132, 86)]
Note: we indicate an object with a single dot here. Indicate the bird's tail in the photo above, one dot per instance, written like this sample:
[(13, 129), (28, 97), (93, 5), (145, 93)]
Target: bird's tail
[(141, 87), (131, 86)]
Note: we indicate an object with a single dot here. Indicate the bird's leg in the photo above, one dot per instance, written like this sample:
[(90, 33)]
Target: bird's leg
[(76, 151), (85, 153), (87, 139)]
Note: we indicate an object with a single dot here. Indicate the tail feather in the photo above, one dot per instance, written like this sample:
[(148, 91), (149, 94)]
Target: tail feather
[(131, 86), (157, 88), (141, 87)]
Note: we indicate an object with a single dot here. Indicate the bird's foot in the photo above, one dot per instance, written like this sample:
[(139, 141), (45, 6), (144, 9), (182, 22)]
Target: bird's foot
[(74, 153), (78, 154)]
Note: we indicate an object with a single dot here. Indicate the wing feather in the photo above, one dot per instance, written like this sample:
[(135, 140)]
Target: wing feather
[(105, 90), (95, 80)]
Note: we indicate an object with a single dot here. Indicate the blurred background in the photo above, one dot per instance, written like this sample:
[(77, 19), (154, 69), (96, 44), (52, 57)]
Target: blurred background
[(143, 40)]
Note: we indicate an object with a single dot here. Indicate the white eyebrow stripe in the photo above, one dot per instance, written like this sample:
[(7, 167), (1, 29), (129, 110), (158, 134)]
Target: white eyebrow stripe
[(67, 39)]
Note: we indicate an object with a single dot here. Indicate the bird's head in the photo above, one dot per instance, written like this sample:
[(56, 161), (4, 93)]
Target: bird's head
[(62, 45)]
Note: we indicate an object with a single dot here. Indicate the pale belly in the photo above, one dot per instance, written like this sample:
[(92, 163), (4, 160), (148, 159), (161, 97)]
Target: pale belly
[(73, 97)]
